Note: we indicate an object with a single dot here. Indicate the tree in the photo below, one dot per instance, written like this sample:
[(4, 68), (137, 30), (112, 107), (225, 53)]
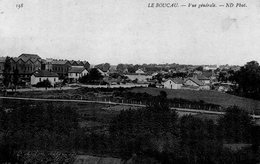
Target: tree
[(153, 129), (94, 76), (198, 140), (236, 125), (223, 77), (248, 80), (200, 68), (120, 68), (7, 72), (16, 77), (104, 66), (37, 126), (136, 67), (159, 77), (131, 68), (45, 83)]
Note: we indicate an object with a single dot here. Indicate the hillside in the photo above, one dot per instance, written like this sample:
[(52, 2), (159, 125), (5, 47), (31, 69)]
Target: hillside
[(213, 97)]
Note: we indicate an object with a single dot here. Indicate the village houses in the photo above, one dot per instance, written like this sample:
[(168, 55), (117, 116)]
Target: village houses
[(173, 83), (41, 75), (76, 72)]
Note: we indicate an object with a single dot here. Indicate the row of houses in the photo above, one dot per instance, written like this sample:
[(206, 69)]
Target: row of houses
[(188, 83), (27, 64), (74, 74)]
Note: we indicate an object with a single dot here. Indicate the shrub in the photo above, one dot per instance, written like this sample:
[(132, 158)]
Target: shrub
[(44, 83)]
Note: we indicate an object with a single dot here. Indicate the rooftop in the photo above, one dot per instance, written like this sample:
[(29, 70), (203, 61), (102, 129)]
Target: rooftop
[(200, 83), (176, 80), (76, 69), (26, 57)]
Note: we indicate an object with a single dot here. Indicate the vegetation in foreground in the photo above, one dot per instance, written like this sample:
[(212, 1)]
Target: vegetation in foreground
[(154, 134)]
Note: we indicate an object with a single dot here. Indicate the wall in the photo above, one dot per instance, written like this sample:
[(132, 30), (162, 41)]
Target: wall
[(171, 85), (35, 80)]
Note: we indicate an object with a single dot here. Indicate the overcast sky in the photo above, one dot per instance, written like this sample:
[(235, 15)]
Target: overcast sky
[(127, 31)]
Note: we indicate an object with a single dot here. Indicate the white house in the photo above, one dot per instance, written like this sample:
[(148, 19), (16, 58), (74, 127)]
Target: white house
[(76, 72), (194, 82), (41, 75), (102, 73), (139, 71), (210, 67), (171, 83)]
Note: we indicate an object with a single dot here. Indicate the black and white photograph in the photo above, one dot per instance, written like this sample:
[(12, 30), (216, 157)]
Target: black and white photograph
[(129, 82)]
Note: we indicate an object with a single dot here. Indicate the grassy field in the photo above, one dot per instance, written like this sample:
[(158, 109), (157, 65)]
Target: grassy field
[(213, 97)]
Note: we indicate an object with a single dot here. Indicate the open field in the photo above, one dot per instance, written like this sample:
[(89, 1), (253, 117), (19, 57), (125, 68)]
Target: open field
[(91, 114), (213, 97)]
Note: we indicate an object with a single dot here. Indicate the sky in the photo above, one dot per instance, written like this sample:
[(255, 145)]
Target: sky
[(128, 31)]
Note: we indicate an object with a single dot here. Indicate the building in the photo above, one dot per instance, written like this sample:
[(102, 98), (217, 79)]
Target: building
[(203, 79), (210, 67), (139, 71), (47, 64), (102, 72), (76, 72), (61, 67), (25, 65), (194, 83), (173, 83), (42, 75), (211, 75)]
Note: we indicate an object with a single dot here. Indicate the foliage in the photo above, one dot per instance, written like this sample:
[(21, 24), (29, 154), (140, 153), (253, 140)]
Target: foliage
[(45, 83), (43, 132), (199, 68), (120, 68), (37, 127), (7, 71), (45, 157), (104, 67), (93, 77), (248, 80), (161, 135), (236, 125), (223, 77), (158, 77), (117, 75), (144, 131), (16, 77)]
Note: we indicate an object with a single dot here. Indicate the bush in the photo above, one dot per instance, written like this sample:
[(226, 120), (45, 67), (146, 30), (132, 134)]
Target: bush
[(44, 83)]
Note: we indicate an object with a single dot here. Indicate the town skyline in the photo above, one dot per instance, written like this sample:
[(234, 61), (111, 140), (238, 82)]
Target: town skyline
[(130, 32), (112, 64)]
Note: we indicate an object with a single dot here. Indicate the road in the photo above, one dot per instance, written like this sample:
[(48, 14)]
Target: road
[(41, 89), (123, 104), (76, 86)]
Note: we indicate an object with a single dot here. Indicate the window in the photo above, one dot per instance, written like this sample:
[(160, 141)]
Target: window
[(54, 79), (40, 79)]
